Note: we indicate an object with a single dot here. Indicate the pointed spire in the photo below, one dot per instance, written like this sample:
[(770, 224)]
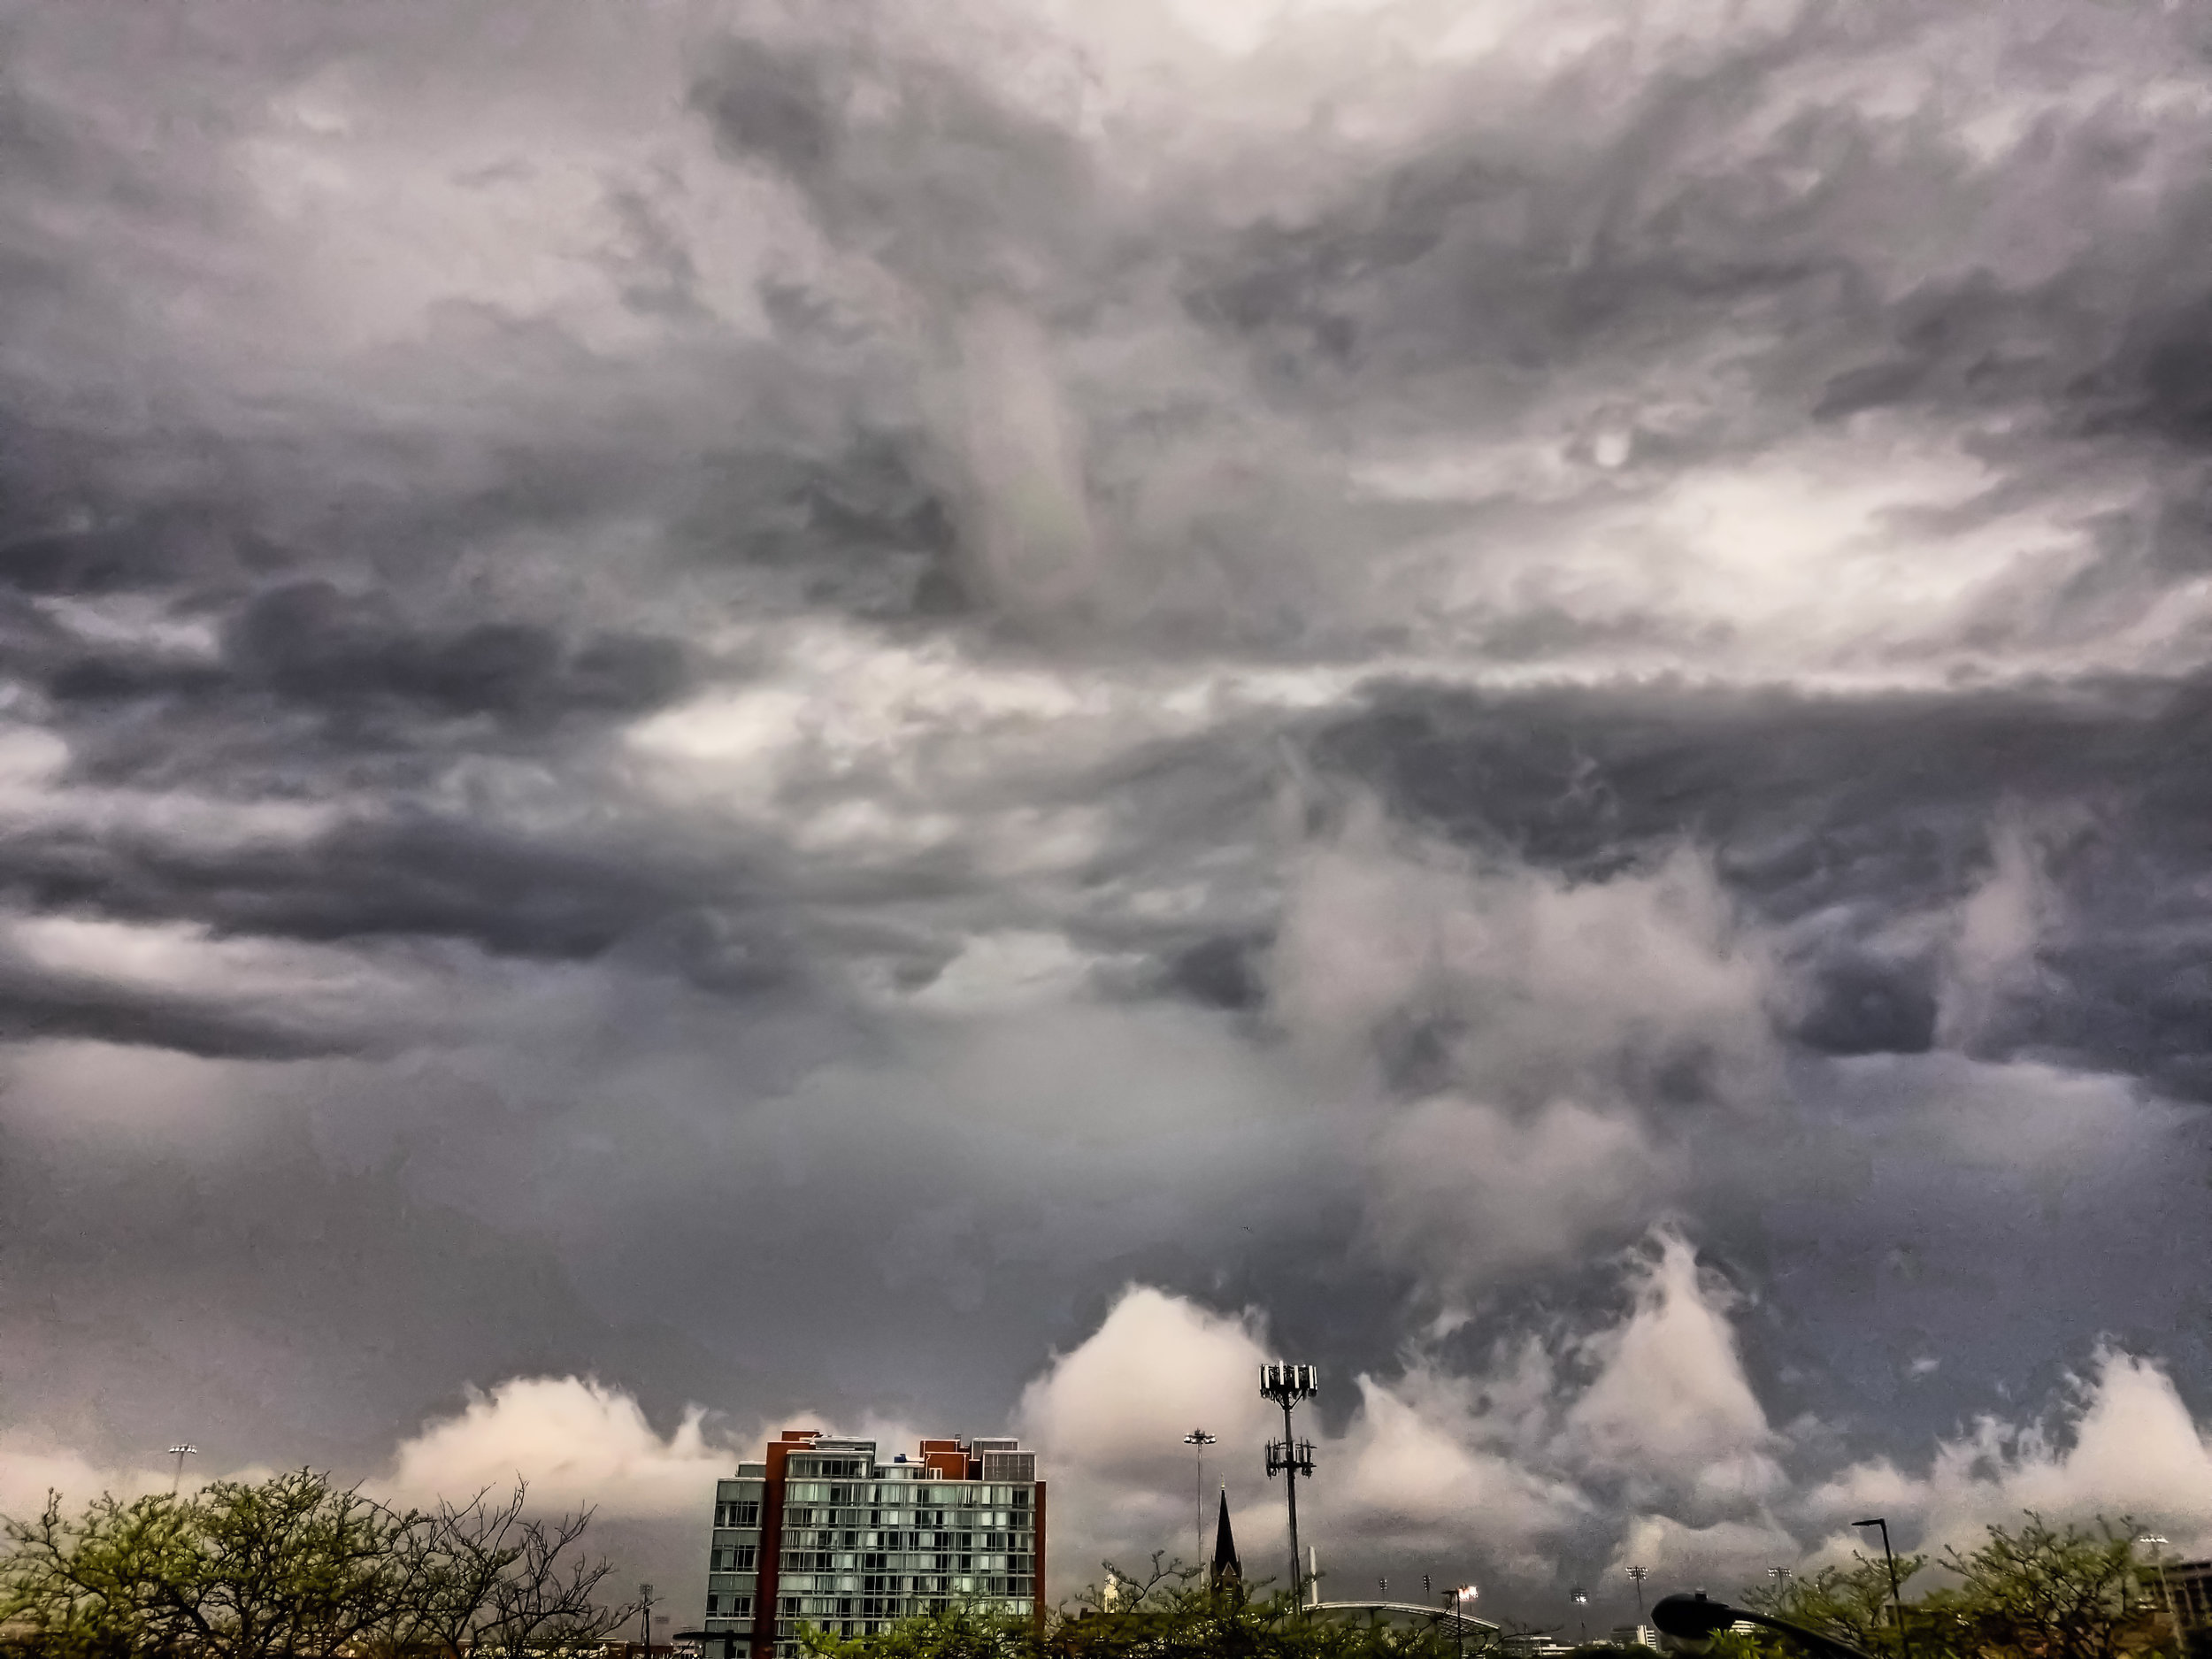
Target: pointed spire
[(1228, 1571)]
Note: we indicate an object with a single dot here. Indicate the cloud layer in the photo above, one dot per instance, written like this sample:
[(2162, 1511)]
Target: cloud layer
[(725, 711)]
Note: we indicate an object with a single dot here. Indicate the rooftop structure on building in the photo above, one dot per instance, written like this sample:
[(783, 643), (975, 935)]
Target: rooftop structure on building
[(828, 1532)]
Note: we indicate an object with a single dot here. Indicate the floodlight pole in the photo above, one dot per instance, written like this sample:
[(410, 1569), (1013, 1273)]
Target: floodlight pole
[(1639, 1574), (1459, 1615), (1201, 1439), (1286, 1386), (180, 1453)]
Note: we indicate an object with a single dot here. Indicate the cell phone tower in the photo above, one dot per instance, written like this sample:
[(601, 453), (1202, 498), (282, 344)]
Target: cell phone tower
[(1290, 1457)]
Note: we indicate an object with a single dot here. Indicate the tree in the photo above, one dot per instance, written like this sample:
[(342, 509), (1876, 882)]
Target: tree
[(1167, 1614), (296, 1568), (290, 1566), (957, 1633), (1852, 1604), (97, 1587), (487, 1578), (544, 1600), (2041, 1591)]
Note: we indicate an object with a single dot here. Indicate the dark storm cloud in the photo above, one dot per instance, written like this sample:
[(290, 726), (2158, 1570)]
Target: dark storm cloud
[(1758, 182), (779, 629), (936, 174), (38, 1005), (1848, 814), (308, 643), (404, 874)]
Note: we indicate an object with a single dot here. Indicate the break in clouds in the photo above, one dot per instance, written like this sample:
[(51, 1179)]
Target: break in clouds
[(947, 719)]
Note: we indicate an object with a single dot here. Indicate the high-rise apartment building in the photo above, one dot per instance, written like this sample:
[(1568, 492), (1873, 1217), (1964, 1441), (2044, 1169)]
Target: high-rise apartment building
[(822, 1531)]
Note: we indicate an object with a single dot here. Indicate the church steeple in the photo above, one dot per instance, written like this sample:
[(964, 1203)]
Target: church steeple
[(1228, 1571)]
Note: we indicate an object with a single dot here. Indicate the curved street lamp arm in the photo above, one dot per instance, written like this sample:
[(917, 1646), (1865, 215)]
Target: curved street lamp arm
[(1827, 1645), (1693, 1620)]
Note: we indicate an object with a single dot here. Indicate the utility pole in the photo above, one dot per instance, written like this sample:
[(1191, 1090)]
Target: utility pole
[(1291, 1457), (1200, 1438), (645, 1617), (1897, 1601), (181, 1452)]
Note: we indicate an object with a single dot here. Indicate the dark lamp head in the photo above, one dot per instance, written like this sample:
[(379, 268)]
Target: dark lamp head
[(1690, 1621)]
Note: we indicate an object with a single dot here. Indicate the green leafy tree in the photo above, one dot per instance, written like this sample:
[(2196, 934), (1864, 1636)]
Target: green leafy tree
[(2041, 1591), (1850, 1605), (955, 1633), (100, 1586), (1165, 1614), (291, 1566), (296, 1568)]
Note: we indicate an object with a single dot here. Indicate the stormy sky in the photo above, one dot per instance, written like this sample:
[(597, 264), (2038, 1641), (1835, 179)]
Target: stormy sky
[(945, 718)]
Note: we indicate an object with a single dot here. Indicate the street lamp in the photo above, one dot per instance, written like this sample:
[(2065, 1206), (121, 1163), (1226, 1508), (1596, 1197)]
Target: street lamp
[(1286, 1386), (1460, 1597), (1904, 1642), (1200, 1438)]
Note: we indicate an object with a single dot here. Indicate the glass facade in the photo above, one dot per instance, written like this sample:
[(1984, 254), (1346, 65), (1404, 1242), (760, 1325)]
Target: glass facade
[(733, 1552), (827, 1535)]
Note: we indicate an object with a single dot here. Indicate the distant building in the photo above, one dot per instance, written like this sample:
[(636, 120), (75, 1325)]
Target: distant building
[(2188, 1586), (1635, 1636), (1533, 1645), (822, 1532)]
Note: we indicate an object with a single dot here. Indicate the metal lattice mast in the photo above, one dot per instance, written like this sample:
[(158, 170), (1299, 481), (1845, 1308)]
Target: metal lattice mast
[(1290, 1457)]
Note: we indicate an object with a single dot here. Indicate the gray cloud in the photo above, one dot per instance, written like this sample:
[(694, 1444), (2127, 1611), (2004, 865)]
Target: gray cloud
[(753, 705)]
